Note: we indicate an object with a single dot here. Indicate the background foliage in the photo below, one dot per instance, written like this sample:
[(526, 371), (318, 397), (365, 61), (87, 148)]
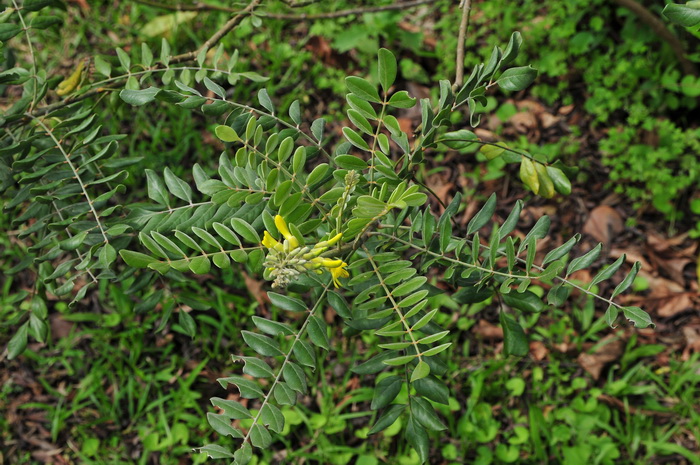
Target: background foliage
[(119, 367)]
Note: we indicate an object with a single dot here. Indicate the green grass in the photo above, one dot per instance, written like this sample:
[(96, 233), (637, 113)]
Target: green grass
[(127, 383)]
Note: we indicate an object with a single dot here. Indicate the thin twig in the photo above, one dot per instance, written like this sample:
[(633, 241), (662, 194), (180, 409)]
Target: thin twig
[(213, 40), (75, 173), (31, 52), (466, 6), (660, 29), (218, 35), (348, 12), (198, 6)]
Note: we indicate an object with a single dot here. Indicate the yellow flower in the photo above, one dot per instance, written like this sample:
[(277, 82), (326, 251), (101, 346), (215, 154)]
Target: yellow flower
[(284, 230), (271, 243), (339, 272)]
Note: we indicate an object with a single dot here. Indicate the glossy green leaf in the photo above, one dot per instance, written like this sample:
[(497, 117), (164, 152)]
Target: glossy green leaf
[(222, 425), (318, 334), (514, 339), (362, 89), (526, 301), (387, 68), (231, 408), (639, 317), (262, 344), (585, 260), (386, 391), (517, 78), (387, 419), (295, 377), (483, 216), (627, 281), (287, 303)]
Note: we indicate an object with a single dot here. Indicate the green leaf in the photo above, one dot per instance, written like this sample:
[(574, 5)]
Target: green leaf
[(262, 344), (611, 315), (264, 99), (512, 49), (483, 216), (355, 139), (374, 364), (45, 22), (424, 320), (245, 230), (417, 437), (139, 97), (156, 189), (608, 272), (295, 112), (422, 411), (243, 455), (402, 99), (350, 162), (562, 250), (517, 78), (106, 255), (398, 361), (295, 377), (360, 122), (433, 389), (514, 339), (177, 186), (639, 317), (231, 408), (284, 395), (248, 389), (387, 419), (538, 231), (286, 303), (627, 282), (684, 15), (8, 31), (272, 416), (273, 328), (362, 89), (222, 425), (436, 350), (528, 174), (585, 260), (409, 286), (200, 265), (561, 182), (187, 323), (226, 134), (305, 354), (511, 222), (317, 128), (102, 66), (420, 371), (526, 301), (387, 68), (386, 391), (260, 437), (214, 451), (318, 332), (18, 342), (256, 368), (36, 5)]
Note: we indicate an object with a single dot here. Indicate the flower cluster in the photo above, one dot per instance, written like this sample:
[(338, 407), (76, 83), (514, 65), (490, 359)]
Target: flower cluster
[(286, 260)]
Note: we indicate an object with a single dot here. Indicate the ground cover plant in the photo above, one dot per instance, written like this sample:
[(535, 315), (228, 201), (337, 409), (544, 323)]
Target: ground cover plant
[(374, 316)]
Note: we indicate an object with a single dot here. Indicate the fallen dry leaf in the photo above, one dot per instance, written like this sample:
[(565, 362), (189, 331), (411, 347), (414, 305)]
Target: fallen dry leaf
[(692, 337), (603, 224), (538, 350), (607, 350)]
